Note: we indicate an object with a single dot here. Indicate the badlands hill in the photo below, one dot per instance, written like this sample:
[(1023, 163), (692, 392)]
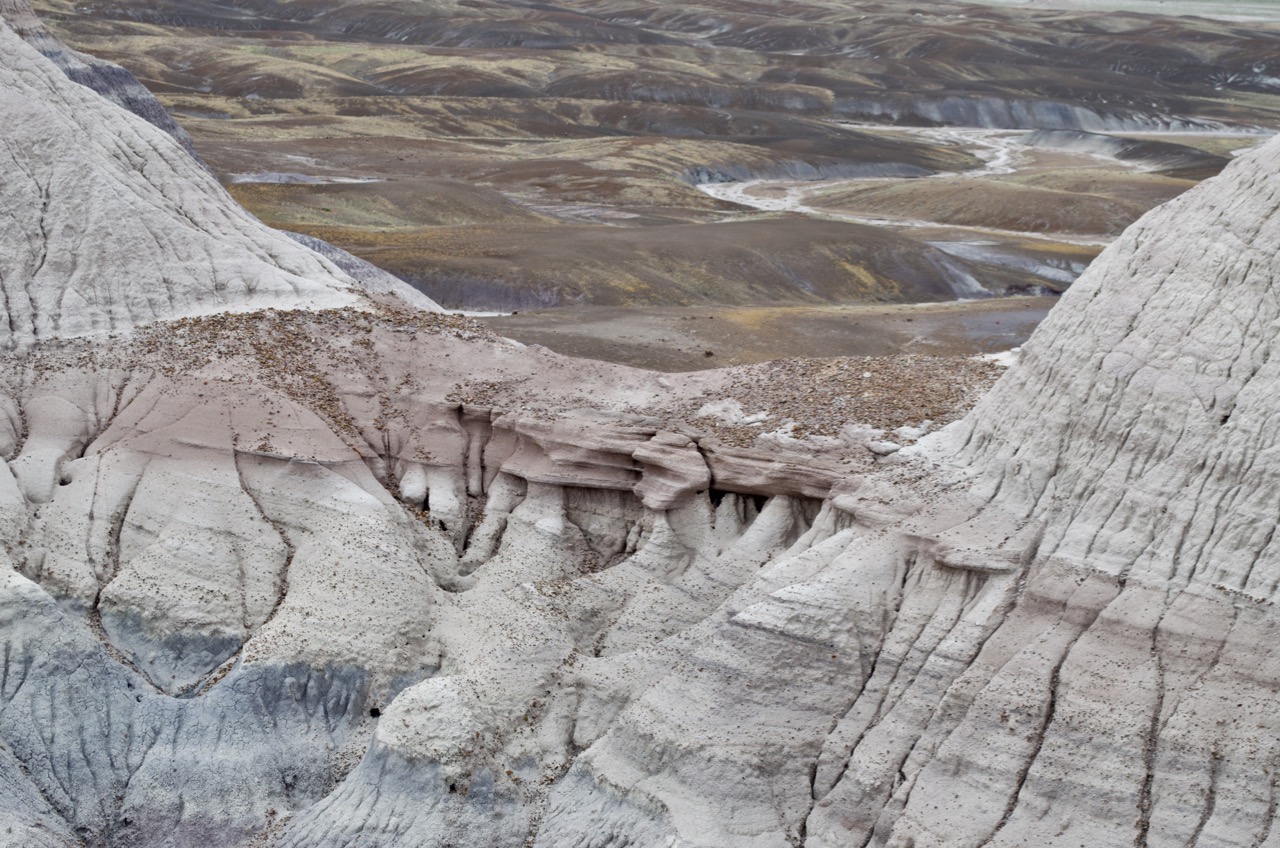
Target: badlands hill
[(289, 563)]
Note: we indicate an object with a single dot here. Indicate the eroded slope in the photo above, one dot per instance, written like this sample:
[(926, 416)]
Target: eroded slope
[(113, 224), (370, 576)]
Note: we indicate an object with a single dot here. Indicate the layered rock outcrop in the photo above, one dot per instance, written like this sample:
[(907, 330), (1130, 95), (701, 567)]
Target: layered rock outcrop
[(288, 563), (113, 224)]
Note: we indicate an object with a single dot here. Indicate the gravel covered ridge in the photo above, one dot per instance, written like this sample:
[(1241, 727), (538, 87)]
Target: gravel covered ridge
[(311, 354), (821, 396)]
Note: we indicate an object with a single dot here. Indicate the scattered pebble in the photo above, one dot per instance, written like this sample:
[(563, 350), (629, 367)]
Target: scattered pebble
[(821, 396)]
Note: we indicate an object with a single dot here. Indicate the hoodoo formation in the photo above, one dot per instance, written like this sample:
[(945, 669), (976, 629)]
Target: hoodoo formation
[(292, 559)]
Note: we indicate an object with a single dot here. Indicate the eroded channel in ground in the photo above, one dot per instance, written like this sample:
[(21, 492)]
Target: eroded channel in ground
[(1043, 202)]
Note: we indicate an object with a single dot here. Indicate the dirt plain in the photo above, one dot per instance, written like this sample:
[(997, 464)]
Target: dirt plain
[(510, 156), (693, 338)]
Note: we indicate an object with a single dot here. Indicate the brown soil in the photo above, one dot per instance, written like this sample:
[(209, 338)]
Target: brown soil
[(990, 203), (785, 260), (679, 339), (545, 157)]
